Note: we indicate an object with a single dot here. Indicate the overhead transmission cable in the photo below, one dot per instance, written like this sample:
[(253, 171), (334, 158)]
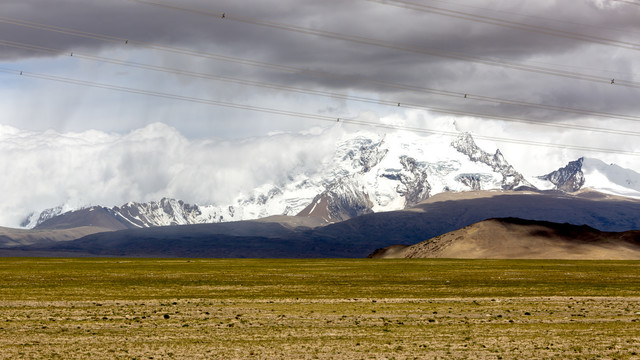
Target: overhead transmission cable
[(292, 69), (200, 11), (628, 2), (357, 39), (92, 84), (513, 14), (508, 23), (354, 121), (397, 46), (393, 103), (600, 27)]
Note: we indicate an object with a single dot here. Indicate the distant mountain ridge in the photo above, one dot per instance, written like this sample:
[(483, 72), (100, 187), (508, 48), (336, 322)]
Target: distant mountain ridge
[(296, 237), (370, 173)]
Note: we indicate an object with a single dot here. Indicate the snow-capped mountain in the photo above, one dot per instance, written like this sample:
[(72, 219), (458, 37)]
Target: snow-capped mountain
[(399, 170), (164, 212), (370, 172), (511, 179), (595, 174), (569, 178), (36, 218)]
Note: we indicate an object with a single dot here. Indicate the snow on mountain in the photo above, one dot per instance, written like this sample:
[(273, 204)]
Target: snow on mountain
[(163, 212), (370, 172), (511, 179), (38, 217), (402, 169), (611, 178), (595, 174)]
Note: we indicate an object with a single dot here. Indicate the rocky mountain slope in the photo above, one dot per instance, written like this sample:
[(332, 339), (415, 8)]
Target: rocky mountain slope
[(513, 238), (356, 237)]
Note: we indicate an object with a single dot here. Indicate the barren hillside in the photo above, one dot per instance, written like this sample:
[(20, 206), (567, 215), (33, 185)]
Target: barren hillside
[(512, 238)]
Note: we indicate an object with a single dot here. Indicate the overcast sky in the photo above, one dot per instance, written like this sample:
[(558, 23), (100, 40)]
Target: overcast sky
[(326, 59)]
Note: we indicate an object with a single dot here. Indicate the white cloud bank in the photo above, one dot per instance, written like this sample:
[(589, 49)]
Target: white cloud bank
[(40, 170), (48, 169)]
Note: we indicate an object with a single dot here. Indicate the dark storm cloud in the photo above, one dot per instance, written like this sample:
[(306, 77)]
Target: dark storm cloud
[(416, 29), (427, 41)]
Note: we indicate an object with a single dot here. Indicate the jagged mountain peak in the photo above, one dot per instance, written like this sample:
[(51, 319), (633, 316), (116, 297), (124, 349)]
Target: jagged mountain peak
[(511, 179), (593, 173), (167, 211), (569, 178), (343, 200), (404, 169), (465, 144), (499, 159)]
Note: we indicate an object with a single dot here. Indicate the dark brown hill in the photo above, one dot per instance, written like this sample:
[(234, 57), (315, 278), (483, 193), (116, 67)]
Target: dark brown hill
[(96, 216), (513, 238)]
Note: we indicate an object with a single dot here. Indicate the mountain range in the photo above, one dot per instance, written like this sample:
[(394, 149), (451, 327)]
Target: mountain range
[(368, 173), (302, 237), (375, 191)]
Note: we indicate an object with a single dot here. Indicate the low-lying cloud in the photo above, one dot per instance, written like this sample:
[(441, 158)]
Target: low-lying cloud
[(48, 169)]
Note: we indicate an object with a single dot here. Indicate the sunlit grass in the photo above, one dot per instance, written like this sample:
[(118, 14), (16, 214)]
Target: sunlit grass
[(180, 308)]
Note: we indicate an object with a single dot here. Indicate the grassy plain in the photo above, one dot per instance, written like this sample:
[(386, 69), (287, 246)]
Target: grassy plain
[(305, 309)]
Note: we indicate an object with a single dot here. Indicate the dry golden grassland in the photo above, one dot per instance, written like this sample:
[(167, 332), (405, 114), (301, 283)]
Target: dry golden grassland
[(306, 309)]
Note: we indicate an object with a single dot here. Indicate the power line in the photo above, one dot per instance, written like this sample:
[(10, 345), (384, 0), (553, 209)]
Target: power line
[(298, 114), (146, 45), (396, 86), (508, 24), (316, 92), (437, 53), (292, 69), (92, 84), (203, 12), (59, 29), (510, 14), (401, 47), (628, 2)]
